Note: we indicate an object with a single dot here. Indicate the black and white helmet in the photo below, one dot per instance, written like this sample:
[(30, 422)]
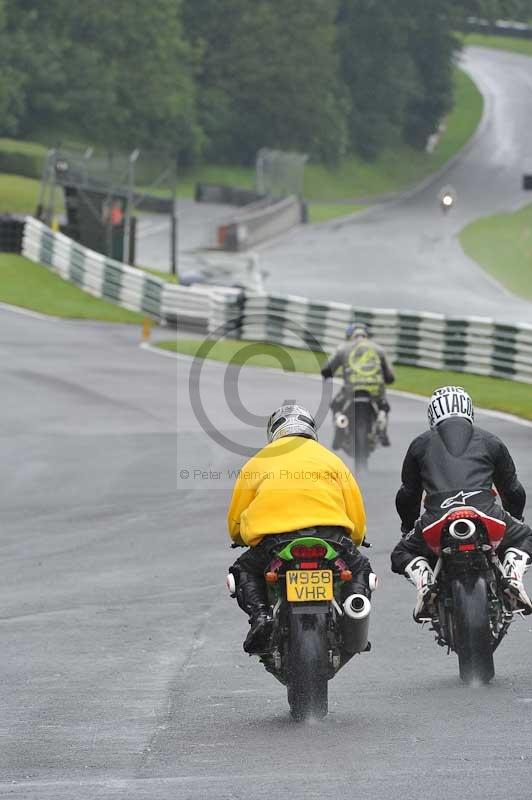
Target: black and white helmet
[(449, 401), (291, 420)]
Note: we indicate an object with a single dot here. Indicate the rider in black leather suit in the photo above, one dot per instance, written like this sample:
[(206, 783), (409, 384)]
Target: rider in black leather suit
[(456, 464)]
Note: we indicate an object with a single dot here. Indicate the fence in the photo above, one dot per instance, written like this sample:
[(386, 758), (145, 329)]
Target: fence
[(499, 27), (473, 344)]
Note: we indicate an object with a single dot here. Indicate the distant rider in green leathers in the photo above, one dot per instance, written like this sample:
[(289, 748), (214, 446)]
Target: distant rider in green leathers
[(366, 368)]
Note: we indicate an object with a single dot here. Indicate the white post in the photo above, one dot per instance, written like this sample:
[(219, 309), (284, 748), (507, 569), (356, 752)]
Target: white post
[(130, 187)]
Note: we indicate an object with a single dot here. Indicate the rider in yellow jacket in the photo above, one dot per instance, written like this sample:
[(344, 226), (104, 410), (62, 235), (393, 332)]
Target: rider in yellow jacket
[(293, 484)]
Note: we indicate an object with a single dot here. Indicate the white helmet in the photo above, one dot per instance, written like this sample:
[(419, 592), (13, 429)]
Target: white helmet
[(291, 420), (449, 401)]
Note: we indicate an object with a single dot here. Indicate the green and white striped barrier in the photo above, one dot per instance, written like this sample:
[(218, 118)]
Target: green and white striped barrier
[(472, 344), (111, 280)]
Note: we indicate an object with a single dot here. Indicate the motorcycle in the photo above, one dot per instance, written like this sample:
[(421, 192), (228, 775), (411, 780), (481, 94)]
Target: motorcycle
[(358, 423), (314, 634), (447, 197), (471, 605)]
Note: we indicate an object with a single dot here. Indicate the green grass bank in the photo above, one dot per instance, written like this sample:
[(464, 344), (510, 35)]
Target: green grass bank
[(19, 195), (502, 244), (493, 393), (23, 283), (509, 43)]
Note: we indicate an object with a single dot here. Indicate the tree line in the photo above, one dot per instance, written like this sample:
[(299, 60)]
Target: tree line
[(218, 79)]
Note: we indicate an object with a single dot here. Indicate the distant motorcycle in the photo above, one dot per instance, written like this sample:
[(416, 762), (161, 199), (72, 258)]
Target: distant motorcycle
[(447, 198), (471, 606), (314, 634), (358, 422)]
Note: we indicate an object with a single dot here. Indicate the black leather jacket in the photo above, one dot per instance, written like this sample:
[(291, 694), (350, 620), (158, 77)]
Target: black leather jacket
[(455, 457)]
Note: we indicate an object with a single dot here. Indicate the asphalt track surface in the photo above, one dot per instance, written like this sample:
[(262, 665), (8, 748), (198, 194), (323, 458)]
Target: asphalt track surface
[(122, 669), (404, 254), (197, 226)]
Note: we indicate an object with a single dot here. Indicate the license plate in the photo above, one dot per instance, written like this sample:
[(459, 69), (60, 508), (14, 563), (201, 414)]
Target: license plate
[(306, 585)]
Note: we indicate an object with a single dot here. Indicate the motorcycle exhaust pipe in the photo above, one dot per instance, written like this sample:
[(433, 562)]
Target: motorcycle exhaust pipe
[(341, 421), (355, 623)]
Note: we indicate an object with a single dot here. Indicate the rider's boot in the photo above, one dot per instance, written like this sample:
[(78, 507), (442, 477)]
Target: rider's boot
[(419, 573), (382, 428), (253, 588), (514, 566)]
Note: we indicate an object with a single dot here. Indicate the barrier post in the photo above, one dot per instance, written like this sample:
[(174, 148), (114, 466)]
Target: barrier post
[(146, 329)]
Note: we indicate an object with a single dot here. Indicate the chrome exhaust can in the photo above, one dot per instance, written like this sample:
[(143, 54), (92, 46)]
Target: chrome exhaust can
[(355, 623)]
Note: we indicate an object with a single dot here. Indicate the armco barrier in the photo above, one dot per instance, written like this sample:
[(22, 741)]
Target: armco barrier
[(111, 280), (474, 344), (500, 27), (261, 222)]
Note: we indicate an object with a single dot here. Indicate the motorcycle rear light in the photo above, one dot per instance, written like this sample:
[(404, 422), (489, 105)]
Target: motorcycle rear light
[(308, 564), (302, 551), (271, 577), (464, 513), (346, 575), (464, 547)]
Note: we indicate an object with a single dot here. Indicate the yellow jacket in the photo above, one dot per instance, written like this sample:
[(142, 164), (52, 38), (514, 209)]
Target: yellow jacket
[(294, 483)]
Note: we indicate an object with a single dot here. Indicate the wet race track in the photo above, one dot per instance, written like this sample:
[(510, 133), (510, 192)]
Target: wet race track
[(123, 674)]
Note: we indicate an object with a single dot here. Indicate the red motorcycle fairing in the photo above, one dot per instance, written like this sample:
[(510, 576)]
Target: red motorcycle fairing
[(495, 528)]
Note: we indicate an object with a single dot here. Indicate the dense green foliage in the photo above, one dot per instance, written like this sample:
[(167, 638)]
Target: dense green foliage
[(218, 79), (268, 76), (118, 73)]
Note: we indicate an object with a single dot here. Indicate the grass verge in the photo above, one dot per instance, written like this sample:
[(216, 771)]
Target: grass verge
[(509, 43), (17, 194), (23, 283), (322, 212), (502, 244), (493, 393)]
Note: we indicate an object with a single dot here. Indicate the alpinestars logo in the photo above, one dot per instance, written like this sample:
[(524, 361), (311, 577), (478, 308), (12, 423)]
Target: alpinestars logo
[(459, 499)]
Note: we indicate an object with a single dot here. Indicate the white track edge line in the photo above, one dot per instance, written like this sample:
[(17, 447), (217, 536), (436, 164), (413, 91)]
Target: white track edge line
[(489, 412), (160, 352), (26, 312)]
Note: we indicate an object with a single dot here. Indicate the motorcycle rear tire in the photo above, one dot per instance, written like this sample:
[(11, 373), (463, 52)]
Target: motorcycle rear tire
[(471, 629), (363, 414), (307, 666)]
